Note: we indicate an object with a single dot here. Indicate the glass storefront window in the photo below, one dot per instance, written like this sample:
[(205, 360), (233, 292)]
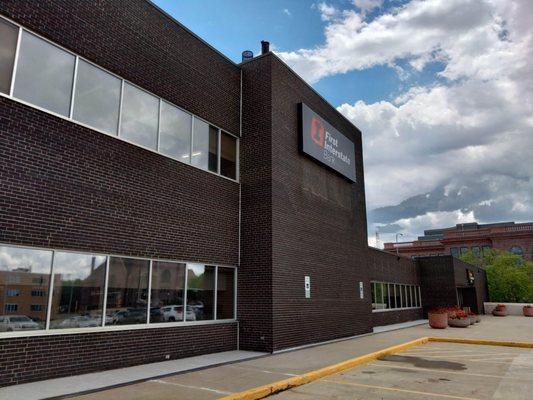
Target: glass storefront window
[(228, 155), (379, 296), (78, 294), (44, 74), (200, 291), (97, 98), (27, 273), (205, 146), (167, 293), (127, 292), (175, 133), (8, 46), (140, 116), (225, 293), (386, 296)]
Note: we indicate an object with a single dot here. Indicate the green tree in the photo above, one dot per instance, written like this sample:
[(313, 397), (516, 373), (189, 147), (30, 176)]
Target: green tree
[(509, 277)]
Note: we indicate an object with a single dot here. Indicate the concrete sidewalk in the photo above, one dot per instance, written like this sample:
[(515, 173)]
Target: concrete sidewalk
[(218, 381)]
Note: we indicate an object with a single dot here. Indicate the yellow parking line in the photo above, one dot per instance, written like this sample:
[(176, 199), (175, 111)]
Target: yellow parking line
[(390, 365), (469, 355), (448, 396), (486, 342), (285, 384), (440, 353)]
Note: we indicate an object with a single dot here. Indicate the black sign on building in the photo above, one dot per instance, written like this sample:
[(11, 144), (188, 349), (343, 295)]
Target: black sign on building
[(321, 141)]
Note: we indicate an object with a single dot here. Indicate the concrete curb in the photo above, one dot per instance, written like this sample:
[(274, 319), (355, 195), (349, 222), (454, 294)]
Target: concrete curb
[(279, 386), (486, 342)]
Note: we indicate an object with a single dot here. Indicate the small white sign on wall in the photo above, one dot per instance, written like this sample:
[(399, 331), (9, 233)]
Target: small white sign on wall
[(361, 291), (307, 286)]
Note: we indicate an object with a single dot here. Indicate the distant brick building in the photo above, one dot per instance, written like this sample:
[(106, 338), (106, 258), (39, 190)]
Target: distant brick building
[(508, 236)]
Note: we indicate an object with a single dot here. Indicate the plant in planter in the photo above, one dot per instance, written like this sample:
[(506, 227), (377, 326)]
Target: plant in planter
[(500, 310), (438, 318), (528, 311), (474, 318), (458, 319)]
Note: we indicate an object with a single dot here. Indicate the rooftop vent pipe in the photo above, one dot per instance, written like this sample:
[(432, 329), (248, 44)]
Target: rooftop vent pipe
[(247, 55), (265, 47)]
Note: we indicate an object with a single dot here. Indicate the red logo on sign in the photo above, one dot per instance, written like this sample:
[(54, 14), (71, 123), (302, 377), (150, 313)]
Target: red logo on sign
[(317, 131)]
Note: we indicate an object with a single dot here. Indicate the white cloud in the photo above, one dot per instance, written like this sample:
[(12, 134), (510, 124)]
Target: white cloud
[(472, 130), (459, 31), (367, 5), (287, 12), (328, 12)]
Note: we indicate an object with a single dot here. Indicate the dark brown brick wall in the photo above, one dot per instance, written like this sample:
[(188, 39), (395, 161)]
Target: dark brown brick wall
[(438, 285), (318, 227), (29, 359), (255, 273), (441, 276), (133, 39), (68, 187), (396, 317), (387, 267)]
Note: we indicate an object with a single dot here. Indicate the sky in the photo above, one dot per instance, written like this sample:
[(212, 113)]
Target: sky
[(442, 91)]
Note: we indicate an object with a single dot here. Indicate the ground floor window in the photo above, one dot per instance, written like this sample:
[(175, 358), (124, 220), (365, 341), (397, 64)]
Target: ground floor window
[(391, 296), (58, 290)]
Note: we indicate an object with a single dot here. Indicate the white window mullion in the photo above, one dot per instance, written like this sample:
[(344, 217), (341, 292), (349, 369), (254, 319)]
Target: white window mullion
[(50, 293), (15, 63), (73, 90), (106, 284)]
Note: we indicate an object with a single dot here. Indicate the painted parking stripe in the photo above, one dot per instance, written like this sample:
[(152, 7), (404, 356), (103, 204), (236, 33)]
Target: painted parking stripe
[(390, 365), (426, 394), (262, 370), (472, 355), (188, 386)]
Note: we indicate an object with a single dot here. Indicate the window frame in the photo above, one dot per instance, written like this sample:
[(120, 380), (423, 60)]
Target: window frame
[(409, 296), (105, 328), (70, 117)]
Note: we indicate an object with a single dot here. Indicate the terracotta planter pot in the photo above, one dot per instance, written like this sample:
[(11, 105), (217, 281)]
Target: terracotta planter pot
[(499, 313), (438, 321), (459, 322), (528, 311)]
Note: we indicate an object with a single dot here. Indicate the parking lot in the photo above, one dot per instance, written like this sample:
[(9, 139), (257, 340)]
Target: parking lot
[(431, 371)]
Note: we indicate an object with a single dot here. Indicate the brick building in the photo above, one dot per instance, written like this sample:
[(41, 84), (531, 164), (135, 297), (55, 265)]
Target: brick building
[(171, 202), (507, 236)]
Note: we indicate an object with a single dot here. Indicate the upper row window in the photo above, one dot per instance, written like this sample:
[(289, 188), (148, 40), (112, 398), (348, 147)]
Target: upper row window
[(48, 77), (44, 74)]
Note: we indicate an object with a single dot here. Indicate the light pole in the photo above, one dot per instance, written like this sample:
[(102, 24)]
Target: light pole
[(397, 249)]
